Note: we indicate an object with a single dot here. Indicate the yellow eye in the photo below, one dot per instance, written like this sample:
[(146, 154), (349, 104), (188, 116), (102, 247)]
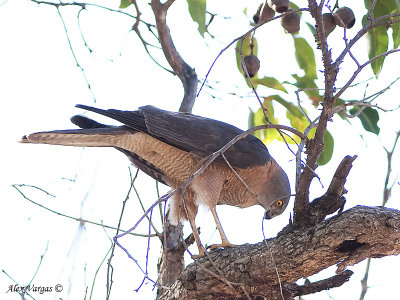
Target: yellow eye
[(279, 203)]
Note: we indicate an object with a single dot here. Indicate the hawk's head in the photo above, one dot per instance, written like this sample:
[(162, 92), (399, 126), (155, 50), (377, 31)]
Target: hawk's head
[(275, 194)]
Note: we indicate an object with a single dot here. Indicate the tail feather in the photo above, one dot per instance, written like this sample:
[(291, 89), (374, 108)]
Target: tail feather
[(86, 123), (96, 137)]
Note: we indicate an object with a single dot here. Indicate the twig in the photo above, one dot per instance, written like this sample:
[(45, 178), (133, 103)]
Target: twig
[(135, 28), (78, 16), (97, 271), (110, 269), (364, 281), (159, 200), (4, 2), (370, 24), (386, 196), (84, 5), (74, 56), (141, 205), (242, 37), (359, 69), (208, 160), (238, 176), (17, 187), (25, 291)]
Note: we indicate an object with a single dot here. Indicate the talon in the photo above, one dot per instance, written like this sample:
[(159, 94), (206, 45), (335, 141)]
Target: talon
[(195, 256), (202, 251), (223, 245)]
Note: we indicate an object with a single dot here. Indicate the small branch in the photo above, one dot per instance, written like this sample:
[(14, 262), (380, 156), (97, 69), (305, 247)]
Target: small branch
[(364, 281), (208, 160), (17, 187), (371, 10), (84, 5), (333, 199), (388, 188), (161, 199), (74, 56), (109, 266), (387, 191), (142, 206), (242, 37), (78, 17), (135, 28), (321, 285), (386, 20), (359, 69)]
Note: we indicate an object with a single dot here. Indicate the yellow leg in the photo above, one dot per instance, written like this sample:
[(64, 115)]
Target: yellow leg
[(187, 209), (225, 242), (196, 238)]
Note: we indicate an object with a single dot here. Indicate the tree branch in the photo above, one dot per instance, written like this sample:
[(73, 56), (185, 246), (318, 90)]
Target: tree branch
[(345, 239), (333, 199), (314, 146), (171, 262), (321, 285), (185, 73)]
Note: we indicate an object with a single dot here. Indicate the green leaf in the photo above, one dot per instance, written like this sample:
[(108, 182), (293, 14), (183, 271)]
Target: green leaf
[(197, 10), (341, 114), (312, 28), (270, 82), (309, 87), (378, 43), (378, 37), (299, 123), (295, 116), (293, 113), (305, 57), (369, 118), (396, 35), (294, 6), (267, 135), (383, 7), (293, 109), (327, 152), (125, 3)]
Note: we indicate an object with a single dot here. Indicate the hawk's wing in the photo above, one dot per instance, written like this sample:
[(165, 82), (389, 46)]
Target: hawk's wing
[(198, 135)]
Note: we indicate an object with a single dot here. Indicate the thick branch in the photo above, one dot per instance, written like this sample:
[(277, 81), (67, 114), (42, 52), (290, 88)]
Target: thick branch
[(315, 146), (171, 262), (343, 240), (185, 73)]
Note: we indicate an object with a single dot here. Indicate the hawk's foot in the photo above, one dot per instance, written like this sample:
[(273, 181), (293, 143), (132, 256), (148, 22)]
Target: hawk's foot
[(222, 245)]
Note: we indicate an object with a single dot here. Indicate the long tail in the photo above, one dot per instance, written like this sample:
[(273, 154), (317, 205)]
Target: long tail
[(94, 137)]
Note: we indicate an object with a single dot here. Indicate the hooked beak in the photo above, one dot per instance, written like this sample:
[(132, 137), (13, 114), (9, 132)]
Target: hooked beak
[(267, 216)]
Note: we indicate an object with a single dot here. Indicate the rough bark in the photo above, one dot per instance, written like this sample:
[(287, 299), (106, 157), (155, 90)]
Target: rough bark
[(251, 270)]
